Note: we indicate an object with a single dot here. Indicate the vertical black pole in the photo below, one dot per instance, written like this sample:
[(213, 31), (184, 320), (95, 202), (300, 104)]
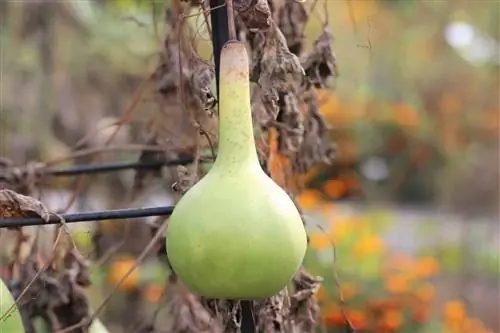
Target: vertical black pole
[(220, 35), (220, 32)]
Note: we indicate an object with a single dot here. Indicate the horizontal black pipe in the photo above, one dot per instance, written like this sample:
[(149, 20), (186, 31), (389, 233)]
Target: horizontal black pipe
[(110, 167), (117, 214)]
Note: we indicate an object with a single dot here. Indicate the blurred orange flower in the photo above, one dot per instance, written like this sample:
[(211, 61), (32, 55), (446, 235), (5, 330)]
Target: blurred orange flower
[(319, 241), (348, 290), (454, 311), (393, 319), (333, 317), (117, 271), (309, 199), (425, 292), (335, 188), (397, 284), (154, 292), (357, 318), (367, 245), (320, 294), (421, 314), (340, 228), (427, 267)]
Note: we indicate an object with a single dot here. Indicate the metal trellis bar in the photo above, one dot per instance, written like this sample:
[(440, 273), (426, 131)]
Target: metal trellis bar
[(89, 216), (111, 167)]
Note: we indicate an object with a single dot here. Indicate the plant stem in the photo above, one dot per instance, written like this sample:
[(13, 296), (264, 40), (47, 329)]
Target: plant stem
[(230, 20)]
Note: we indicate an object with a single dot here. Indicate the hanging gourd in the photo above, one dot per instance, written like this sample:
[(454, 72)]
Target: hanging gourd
[(12, 322), (236, 234)]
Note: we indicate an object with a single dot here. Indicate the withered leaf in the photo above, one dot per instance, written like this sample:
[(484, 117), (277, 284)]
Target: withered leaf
[(256, 14), (278, 70), (14, 205), (290, 125), (202, 76), (321, 63), (315, 148), (303, 306), (292, 17), (189, 315)]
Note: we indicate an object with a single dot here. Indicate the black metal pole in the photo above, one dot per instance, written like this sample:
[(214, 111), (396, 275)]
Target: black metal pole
[(220, 32), (110, 167), (116, 214)]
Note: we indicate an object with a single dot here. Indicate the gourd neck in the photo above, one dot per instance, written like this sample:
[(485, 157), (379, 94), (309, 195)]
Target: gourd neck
[(236, 139)]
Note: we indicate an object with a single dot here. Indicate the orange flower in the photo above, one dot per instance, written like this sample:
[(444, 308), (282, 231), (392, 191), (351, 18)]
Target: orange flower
[(335, 188), (397, 284), (320, 294), (405, 115), (421, 314), (333, 317), (425, 293), (309, 199), (154, 292), (368, 244), (340, 228), (119, 268), (427, 267), (319, 241), (473, 325), (358, 319), (454, 311), (393, 319), (348, 290)]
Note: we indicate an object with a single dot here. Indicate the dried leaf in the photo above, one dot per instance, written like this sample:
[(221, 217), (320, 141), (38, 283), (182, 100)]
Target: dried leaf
[(201, 81), (278, 70), (20, 179), (321, 64), (290, 125), (189, 315), (315, 148), (14, 205), (273, 314), (292, 18), (303, 307), (255, 14), (182, 179)]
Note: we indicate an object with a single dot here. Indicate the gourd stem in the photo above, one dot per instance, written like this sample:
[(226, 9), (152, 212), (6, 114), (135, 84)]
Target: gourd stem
[(230, 20)]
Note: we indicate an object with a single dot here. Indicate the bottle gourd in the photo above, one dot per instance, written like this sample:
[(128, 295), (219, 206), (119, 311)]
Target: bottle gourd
[(12, 322), (235, 234)]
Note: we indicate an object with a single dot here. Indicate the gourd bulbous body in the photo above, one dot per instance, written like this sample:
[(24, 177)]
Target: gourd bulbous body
[(236, 234), (13, 322)]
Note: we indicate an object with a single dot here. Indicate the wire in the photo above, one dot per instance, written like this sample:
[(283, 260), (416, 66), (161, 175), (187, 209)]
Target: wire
[(110, 167), (89, 216)]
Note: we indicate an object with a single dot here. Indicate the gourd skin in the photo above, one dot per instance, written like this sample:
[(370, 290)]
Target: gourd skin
[(236, 234), (13, 323)]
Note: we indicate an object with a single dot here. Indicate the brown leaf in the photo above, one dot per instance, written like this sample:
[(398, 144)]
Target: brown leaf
[(255, 14), (292, 17), (303, 307), (321, 64), (278, 70), (14, 205), (189, 315)]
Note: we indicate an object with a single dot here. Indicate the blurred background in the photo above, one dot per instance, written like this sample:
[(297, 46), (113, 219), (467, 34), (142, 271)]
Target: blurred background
[(404, 226)]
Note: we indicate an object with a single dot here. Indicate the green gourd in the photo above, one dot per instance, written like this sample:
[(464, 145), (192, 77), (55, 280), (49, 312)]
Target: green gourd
[(235, 234), (13, 322)]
